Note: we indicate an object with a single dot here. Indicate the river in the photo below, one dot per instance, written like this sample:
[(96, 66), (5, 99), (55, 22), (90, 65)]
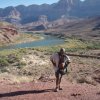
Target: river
[(47, 41)]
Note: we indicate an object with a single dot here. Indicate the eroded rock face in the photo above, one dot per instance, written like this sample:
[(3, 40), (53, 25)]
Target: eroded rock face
[(7, 33), (14, 14), (54, 11), (10, 14)]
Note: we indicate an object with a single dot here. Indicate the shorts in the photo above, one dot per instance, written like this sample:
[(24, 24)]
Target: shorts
[(60, 72)]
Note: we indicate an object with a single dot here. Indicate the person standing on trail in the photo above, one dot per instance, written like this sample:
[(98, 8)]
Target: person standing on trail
[(60, 62)]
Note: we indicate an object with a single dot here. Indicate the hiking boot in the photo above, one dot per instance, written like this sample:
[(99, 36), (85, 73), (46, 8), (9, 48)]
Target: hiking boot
[(60, 89), (56, 90)]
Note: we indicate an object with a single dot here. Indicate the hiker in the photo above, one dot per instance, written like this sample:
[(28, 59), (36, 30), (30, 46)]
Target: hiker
[(60, 62)]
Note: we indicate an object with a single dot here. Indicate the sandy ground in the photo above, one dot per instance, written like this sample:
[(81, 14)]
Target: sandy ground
[(40, 90), (43, 88)]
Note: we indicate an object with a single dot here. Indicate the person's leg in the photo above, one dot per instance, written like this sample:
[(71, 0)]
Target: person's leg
[(57, 81), (60, 82)]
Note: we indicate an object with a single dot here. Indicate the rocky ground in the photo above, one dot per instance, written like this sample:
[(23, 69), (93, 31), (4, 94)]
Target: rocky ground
[(45, 91), (35, 79)]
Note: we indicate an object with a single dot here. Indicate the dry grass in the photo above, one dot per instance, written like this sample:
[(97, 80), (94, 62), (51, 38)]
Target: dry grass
[(24, 37), (37, 64), (32, 65), (82, 70)]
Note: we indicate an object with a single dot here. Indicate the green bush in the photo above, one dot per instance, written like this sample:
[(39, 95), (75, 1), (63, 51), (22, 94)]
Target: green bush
[(4, 69), (3, 62), (94, 46), (12, 58), (21, 65), (23, 51)]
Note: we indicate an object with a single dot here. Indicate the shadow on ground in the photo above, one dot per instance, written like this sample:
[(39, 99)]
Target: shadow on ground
[(16, 93)]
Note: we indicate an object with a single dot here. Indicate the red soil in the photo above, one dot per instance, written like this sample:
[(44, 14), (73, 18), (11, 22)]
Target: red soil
[(45, 91)]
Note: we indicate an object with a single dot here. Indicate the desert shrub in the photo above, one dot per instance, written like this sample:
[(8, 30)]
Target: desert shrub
[(23, 51), (81, 80), (21, 65), (4, 69), (94, 46), (12, 58), (3, 62)]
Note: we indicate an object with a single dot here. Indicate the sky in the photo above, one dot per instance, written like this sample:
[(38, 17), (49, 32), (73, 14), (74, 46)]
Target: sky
[(6, 3)]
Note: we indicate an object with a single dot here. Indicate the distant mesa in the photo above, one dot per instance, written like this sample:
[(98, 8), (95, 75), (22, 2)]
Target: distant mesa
[(74, 8)]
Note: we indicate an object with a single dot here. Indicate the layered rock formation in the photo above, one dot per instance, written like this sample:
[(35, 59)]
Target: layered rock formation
[(8, 33), (75, 8)]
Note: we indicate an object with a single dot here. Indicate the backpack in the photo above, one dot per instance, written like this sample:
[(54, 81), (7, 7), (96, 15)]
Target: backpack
[(62, 69)]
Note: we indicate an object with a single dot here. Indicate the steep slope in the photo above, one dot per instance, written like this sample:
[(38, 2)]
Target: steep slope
[(54, 11), (85, 29), (7, 33)]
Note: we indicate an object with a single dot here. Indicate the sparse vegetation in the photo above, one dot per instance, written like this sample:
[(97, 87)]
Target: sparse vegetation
[(3, 62), (20, 65), (26, 37), (72, 45), (23, 62)]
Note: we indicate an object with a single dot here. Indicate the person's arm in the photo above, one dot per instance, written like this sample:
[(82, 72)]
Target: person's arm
[(54, 64), (51, 59), (68, 59)]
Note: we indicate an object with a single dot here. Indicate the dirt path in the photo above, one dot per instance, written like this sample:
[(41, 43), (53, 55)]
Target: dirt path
[(44, 91)]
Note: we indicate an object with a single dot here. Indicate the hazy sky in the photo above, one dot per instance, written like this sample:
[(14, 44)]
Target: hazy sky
[(5, 3)]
